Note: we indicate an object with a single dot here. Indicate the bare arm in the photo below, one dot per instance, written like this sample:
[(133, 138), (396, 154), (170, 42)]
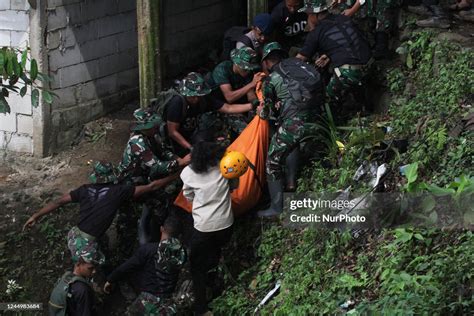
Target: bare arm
[(154, 185), (234, 95), (173, 132), (235, 108), (353, 10), (65, 199)]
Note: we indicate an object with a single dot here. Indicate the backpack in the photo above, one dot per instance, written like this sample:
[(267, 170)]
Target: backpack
[(231, 37), (303, 82), (58, 299), (158, 105)]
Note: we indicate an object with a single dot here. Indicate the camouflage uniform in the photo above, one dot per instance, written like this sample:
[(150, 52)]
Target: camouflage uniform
[(381, 10), (151, 305), (140, 162), (343, 81), (85, 246), (169, 259), (144, 159), (246, 59), (292, 124)]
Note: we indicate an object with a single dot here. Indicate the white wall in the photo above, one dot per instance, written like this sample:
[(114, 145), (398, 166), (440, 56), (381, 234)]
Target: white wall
[(16, 128)]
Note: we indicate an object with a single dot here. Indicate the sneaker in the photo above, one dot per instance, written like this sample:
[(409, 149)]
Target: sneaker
[(434, 22), (419, 9)]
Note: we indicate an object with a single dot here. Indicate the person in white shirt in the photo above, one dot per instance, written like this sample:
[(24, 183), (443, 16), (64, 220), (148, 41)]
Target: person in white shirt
[(209, 191)]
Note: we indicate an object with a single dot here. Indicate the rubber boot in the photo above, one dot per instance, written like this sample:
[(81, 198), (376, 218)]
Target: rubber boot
[(381, 45), (292, 169), (276, 193), (438, 19)]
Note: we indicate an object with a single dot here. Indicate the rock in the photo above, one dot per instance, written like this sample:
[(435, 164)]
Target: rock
[(453, 37)]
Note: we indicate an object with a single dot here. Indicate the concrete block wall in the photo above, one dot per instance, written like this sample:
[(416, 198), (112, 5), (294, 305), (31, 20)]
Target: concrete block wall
[(93, 59), (192, 29), (16, 128)]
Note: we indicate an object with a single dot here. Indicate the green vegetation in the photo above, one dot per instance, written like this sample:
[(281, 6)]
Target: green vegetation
[(15, 78), (402, 271)]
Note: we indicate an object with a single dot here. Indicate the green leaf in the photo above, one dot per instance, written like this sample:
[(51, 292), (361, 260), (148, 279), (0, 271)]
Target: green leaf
[(23, 91), (33, 70), (34, 97), (419, 237), (24, 56), (402, 235), (433, 217), (409, 61), (2, 61), (47, 97), (16, 66), (5, 92), (411, 172), (9, 67), (428, 204), (4, 107), (469, 218)]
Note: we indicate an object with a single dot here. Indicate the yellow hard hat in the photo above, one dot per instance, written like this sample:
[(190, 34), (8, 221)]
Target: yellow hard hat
[(234, 164)]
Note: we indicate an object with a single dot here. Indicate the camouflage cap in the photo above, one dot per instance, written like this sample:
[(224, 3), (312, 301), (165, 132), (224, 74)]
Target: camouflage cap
[(270, 47), (145, 119), (90, 255), (314, 6), (193, 85), (245, 58), (103, 172)]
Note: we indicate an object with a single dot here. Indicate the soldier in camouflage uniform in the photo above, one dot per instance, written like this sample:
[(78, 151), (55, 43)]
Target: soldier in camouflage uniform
[(341, 46), (293, 113), (155, 268), (195, 114), (234, 81), (99, 203), (383, 11), (145, 158)]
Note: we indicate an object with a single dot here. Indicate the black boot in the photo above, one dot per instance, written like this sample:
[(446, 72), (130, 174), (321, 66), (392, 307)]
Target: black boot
[(276, 193), (381, 45), (438, 19), (292, 169)]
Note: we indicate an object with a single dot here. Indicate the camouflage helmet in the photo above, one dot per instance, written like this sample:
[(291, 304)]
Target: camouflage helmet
[(145, 119), (314, 6), (103, 172), (193, 85), (270, 47), (245, 58)]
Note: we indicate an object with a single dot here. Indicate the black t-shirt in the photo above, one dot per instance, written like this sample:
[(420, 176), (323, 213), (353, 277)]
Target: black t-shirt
[(81, 302), (98, 204), (338, 38), (188, 115), (289, 27)]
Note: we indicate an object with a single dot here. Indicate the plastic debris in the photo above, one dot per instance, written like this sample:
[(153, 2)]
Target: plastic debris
[(268, 296), (347, 304)]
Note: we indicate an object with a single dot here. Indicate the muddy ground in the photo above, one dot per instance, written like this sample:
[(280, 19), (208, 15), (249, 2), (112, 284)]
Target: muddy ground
[(35, 259)]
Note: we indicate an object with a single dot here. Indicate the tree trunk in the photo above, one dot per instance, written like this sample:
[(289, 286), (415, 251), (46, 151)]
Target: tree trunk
[(149, 58)]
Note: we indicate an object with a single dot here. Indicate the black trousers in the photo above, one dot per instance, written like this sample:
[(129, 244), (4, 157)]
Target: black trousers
[(206, 248)]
